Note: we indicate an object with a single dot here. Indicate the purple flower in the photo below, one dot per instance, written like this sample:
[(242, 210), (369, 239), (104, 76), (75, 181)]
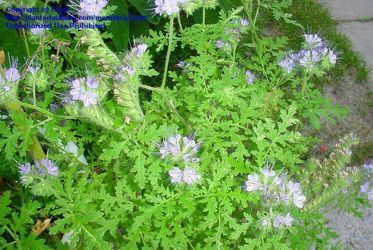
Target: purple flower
[(12, 74), (368, 165), (178, 147), (219, 44), (244, 22), (176, 175), (253, 183), (283, 221), (167, 7), (24, 169), (6, 88), (171, 146), (249, 77), (37, 31), (33, 70), (124, 72), (190, 176), (313, 40), (295, 193), (267, 173), (130, 71), (46, 166), (140, 49), (88, 7), (92, 82), (264, 223), (274, 189), (310, 58), (370, 195), (332, 57), (181, 64), (81, 89), (287, 64), (75, 89), (364, 188), (88, 98)]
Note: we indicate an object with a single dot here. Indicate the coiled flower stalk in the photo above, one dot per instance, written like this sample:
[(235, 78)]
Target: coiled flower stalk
[(98, 50), (136, 63)]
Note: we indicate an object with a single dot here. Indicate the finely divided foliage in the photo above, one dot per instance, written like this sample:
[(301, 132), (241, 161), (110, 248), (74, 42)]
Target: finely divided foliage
[(204, 155)]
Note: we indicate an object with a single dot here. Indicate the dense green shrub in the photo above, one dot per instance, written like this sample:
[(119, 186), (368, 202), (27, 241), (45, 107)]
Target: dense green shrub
[(208, 153)]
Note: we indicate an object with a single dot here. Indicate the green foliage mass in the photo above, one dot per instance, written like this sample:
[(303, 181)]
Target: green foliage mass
[(114, 190)]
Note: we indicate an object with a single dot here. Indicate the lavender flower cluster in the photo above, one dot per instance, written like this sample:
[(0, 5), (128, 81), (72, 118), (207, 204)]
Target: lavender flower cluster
[(367, 187), (188, 175), (38, 31), (250, 77), (84, 89), (42, 168), (173, 7), (168, 7), (275, 189), (12, 76), (181, 149), (85, 8), (279, 221), (314, 52)]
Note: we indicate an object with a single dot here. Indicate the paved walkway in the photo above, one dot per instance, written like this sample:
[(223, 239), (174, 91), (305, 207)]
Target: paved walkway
[(355, 20)]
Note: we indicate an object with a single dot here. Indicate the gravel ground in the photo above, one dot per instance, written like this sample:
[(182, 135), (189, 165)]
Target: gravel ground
[(354, 233)]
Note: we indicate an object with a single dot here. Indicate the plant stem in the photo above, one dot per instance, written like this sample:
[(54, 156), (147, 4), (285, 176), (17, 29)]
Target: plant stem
[(257, 13), (304, 85), (255, 19), (26, 43), (170, 37), (149, 87), (34, 92), (45, 112), (180, 25)]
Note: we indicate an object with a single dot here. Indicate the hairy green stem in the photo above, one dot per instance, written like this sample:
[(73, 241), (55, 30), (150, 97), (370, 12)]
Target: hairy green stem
[(26, 43), (256, 18), (45, 112), (180, 25), (257, 13), (149, 87), (170, 37)]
